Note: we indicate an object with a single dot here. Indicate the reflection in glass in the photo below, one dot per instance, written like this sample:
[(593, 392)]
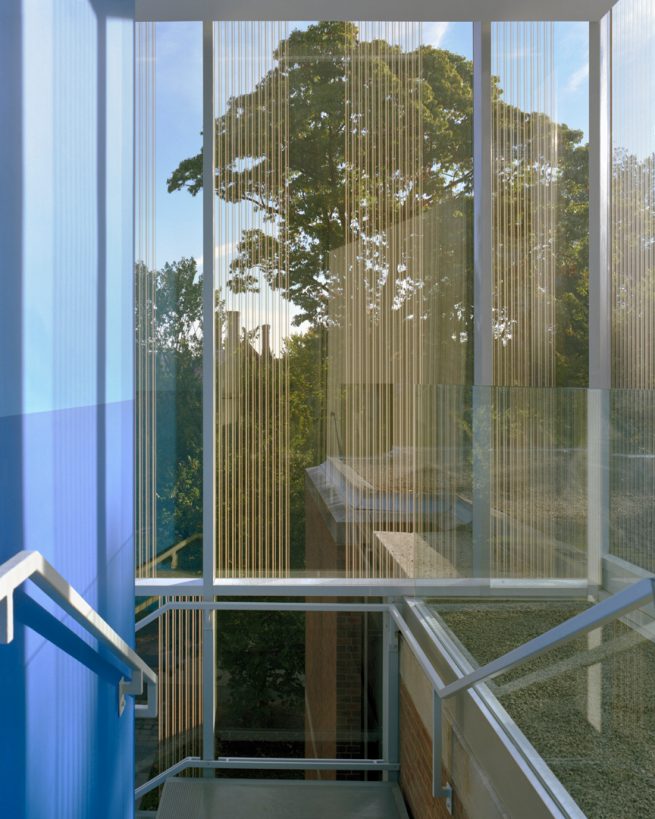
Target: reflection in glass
[(168, 307), (311, 687), (632, 447), (172, 647), (343, 182), (587, 707)]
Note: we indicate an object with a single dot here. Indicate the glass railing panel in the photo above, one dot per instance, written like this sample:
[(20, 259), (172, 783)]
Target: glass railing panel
[(299, 685), (538, 487), (632, 476), (441, 545), (587, 707), (172, 647), (503, 475)]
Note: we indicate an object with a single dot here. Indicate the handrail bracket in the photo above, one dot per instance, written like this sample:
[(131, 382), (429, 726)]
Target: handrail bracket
[(133, 687), (6, 619)]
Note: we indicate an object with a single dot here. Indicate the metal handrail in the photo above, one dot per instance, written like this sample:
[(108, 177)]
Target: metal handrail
[(386, 764), (594, 617), (598, 615), (251, 763), (31, 565)]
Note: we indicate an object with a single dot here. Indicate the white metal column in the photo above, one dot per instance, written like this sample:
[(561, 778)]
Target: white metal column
[(482, 248), (390, 694), (208, 399), (600, 320), (482, 298)]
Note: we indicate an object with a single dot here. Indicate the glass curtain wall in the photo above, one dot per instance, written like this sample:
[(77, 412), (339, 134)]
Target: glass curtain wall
[(168, 369), (537, 505), (633, 283), (343, 248), (343, 288), (347, 425)]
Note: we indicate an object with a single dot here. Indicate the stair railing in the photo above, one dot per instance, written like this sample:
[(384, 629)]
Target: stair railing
[(31, 565)]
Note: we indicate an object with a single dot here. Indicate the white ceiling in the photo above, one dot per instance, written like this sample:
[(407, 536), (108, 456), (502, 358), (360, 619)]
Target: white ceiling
[(437, 10)]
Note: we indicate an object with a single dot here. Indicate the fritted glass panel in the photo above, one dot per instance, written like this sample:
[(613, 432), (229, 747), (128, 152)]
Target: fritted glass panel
[(633, 194), (172, 646), (632, 476), (587, 707), (343, 280), (632, 419), (299, 684), (540, 229), (168, 303), (503, 485)]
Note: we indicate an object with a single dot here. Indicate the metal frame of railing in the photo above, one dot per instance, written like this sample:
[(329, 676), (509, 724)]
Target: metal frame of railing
[(389, 764), (31, 565), (598, 615), (606, 611)]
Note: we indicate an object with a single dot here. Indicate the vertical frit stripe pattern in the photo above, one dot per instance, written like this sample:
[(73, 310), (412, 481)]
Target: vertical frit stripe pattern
[(632, 236), (180, 706), (180, 684), (529, 528), (524, 189), (376, 294), (633, 195), (145, 280), (252, 313)]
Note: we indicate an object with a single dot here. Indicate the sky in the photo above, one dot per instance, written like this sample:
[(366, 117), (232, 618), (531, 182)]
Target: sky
[(179, 113)]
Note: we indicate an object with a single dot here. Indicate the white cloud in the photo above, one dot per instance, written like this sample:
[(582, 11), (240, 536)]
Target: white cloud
[(577, 78), (433, 33), (226, 249)]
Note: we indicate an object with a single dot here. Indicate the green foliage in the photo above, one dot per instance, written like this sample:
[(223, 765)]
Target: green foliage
[(175, 320), (307, 363), (313, 64), (315, 70), (572, 285), (263, 657)]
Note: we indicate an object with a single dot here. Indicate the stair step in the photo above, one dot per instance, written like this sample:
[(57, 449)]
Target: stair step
[(279, 799)]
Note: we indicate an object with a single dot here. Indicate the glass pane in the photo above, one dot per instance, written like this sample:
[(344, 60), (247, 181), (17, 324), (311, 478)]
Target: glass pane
[(503, 485), (538, 487), (299, 685), (633, 194), (632, 476), (172, 647), (587, 707), (540, 203), (168, 235), (343, 280), (632, 448)]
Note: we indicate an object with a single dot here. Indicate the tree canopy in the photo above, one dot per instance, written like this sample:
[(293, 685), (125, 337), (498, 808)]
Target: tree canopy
[(315, 72)]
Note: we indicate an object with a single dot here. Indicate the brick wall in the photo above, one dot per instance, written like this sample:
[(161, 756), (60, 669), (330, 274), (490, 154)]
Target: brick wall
[(350, 689), (416, 766)]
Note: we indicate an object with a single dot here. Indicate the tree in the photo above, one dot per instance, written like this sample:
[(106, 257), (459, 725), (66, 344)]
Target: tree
[(313, 65), (315, 74), (169, 318)]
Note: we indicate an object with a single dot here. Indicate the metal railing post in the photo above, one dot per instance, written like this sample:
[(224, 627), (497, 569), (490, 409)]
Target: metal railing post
[(391, 696), (439, 791)]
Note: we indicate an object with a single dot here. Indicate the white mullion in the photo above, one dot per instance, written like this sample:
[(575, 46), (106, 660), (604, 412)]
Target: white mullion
[(208, 397), (482, 298), (600, 324)]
